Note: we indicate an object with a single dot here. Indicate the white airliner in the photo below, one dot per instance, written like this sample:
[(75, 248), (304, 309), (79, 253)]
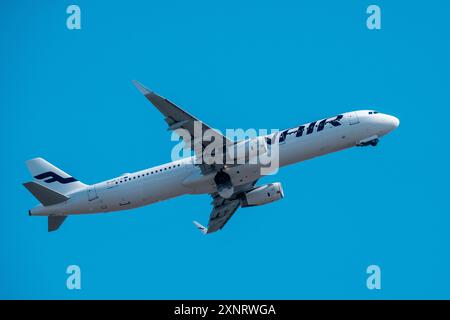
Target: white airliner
[(230, 186)]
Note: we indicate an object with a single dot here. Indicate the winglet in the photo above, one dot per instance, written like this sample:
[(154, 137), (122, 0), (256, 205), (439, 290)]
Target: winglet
[(202, 229), (141, 88)]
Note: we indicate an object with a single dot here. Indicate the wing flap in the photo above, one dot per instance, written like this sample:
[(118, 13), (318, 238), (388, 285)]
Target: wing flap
[(221, 214)]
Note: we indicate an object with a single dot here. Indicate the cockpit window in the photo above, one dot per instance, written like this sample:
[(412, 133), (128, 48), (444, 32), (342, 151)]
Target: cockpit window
[(373, 112)]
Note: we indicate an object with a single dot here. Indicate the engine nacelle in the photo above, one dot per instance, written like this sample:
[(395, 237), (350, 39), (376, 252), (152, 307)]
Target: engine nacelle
[(262, 195)]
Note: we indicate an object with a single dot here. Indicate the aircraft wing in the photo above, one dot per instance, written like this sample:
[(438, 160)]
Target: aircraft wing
[(223, 209), (178, 118)]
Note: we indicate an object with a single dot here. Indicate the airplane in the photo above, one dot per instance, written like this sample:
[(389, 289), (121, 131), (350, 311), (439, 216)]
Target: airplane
[(230, 186)]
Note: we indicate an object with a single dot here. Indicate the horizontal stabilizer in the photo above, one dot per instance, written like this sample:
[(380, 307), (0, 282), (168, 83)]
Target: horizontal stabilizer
[(202, 229), (45, 195), (54, 222)]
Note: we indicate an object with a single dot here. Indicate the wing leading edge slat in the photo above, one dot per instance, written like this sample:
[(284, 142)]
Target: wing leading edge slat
[(178, 118)]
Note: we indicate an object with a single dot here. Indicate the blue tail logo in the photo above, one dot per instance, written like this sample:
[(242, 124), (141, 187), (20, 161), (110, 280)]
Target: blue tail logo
[(54, 177)]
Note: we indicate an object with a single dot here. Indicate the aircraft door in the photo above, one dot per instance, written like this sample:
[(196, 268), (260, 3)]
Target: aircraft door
[(92, 194), (353, 118)]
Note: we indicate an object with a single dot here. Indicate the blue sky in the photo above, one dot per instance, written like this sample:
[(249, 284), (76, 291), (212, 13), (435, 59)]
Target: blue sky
[(67, 96)]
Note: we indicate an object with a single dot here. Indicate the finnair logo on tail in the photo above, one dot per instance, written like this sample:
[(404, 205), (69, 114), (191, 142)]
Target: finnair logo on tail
[(54, 177)]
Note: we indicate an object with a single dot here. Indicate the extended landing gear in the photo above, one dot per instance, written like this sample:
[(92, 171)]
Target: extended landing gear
[(222, 178), (368, 142), (224, 185)]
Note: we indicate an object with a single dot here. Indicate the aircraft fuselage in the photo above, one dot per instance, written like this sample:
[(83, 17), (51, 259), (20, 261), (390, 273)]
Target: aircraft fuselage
[(185, 177)]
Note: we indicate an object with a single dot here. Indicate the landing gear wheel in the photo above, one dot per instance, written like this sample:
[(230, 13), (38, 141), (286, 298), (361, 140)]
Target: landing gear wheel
[(222, 178), (223, 183)]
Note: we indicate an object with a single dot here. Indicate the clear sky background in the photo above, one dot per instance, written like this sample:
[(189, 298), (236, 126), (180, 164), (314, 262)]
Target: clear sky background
[(67, 96)]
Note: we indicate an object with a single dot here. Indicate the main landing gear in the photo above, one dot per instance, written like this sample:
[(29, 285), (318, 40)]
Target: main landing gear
[(224, 186)]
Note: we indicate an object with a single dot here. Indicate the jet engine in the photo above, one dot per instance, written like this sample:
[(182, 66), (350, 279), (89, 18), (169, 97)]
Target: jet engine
[(262, 195)]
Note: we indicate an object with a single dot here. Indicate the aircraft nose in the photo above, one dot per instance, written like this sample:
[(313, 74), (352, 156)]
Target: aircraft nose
[(389, 123), (395, 122)]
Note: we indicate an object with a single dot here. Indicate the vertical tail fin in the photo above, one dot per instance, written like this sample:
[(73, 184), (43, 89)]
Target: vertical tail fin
[(50, 176)]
